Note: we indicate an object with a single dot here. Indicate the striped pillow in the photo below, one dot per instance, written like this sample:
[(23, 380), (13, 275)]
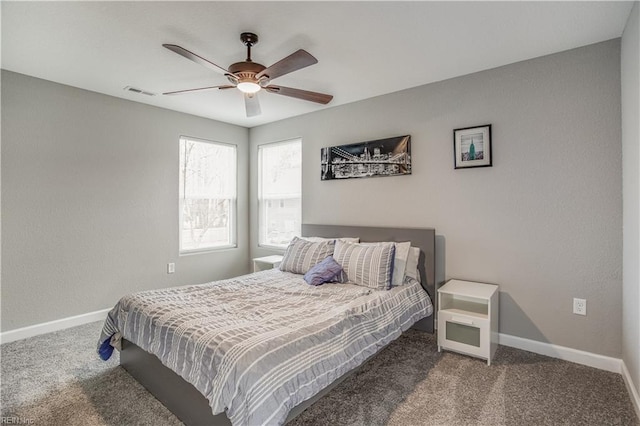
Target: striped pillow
[(302, 255), (368, 266), (399, 261)]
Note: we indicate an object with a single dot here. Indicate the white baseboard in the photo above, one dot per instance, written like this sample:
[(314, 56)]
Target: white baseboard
[(48, 327), (633, 391), (602, 362)]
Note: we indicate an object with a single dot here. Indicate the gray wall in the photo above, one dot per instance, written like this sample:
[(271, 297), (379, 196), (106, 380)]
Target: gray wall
[(630, 59), (545, 222), (89, 200)]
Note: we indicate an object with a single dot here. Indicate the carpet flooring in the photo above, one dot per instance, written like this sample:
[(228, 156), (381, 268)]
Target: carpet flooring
[(57, 379)]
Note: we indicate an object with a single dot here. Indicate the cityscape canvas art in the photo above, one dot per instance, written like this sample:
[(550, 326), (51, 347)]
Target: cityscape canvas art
[(383, 157)]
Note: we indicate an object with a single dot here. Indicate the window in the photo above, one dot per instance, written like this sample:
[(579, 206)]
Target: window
[(207, 195), (279, 197)]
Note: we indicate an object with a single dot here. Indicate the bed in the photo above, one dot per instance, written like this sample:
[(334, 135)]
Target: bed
[(162, 343)]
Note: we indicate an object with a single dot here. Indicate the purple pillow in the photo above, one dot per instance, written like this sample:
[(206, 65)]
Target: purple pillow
[(323, 272)]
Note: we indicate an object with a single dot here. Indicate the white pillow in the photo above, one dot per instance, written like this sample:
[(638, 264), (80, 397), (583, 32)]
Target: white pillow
[(400, 261), (412, 264), (322, 239)]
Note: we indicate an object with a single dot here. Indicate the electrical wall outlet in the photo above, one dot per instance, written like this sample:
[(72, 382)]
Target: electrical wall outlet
[(579, 306), (171, 268)]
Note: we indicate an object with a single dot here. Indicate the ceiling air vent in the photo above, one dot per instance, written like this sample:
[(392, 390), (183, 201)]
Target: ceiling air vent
[(140, 91)]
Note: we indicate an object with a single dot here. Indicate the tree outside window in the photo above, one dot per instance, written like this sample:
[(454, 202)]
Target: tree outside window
[(207, 195)]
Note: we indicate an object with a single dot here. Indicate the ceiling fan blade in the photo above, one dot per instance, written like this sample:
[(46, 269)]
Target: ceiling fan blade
[(252, 104), (195, 58), (179, 92), (297, 60), (306, 95)]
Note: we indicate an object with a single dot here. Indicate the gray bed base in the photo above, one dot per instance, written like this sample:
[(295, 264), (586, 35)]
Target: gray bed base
[(192, 408)]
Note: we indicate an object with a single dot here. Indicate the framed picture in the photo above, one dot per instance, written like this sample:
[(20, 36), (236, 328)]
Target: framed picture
[(383, 157), (472, 147)]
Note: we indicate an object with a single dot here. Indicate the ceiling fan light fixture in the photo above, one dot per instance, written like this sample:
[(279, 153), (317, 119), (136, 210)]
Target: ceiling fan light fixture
[(249, 77), (248, 87)]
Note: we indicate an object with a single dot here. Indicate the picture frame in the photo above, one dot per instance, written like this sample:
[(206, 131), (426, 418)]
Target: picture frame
[(472, 147), (378, 158)]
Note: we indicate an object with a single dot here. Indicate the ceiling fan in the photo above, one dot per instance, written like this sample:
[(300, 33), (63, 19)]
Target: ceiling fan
[(250, 77)]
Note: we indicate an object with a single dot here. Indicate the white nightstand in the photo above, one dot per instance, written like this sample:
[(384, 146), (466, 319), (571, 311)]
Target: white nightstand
[(267, 262), (468, 318)]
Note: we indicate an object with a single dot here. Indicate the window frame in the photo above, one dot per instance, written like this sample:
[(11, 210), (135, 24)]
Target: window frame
[(259, 195), (233, 205)]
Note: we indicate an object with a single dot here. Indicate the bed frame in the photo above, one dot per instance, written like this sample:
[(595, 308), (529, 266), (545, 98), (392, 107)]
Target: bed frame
[(192, 408), (424, 238)]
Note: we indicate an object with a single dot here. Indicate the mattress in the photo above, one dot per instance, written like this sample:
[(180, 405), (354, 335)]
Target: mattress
[(258, 345)]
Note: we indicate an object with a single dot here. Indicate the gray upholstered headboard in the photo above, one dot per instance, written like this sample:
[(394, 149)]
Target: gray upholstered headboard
[(419, 237)]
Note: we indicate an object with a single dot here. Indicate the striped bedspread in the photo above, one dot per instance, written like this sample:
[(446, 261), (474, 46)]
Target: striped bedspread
[(258, 345)]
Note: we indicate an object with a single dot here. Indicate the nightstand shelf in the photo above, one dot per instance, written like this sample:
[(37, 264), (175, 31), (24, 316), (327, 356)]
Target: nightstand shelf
[(266, 262), (468, 318)]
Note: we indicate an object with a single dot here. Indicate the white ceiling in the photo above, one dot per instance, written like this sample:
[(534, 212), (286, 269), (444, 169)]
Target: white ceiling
[(364, 49)]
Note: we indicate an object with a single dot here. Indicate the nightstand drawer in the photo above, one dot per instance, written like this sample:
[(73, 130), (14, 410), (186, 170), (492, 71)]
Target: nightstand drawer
[(467, 334)]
